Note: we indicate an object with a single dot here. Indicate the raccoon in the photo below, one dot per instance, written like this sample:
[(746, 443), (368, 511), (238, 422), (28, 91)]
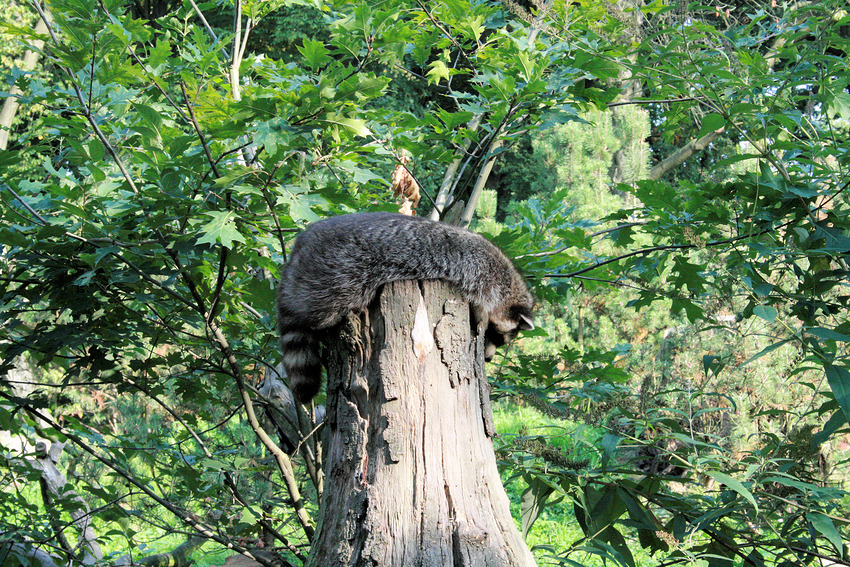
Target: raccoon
[(338, 264)]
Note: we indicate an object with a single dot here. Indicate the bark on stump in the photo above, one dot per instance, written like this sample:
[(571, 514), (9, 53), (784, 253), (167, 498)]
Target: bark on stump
[(411, 476)]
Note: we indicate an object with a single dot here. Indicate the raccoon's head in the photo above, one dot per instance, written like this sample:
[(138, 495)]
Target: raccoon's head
[(503, 328)]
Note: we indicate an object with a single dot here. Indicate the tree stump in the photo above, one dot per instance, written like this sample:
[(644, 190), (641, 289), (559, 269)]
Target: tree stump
[(411, 476)]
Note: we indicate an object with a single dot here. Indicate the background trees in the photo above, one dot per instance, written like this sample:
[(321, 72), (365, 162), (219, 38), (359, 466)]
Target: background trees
[(671, 178)]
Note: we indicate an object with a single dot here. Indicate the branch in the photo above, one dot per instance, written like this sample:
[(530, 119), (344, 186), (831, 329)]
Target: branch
[(592, 235), (178, 556), (54, 483), (27, 549), (194, 122), (295, 428), (443, 30), (141, 65), (240, 42), (447, 188), (53, 518), (449, 179), (86, 109), (200, 527), (654, 101), (481, 180), (216, 296), (283, 461), (207, 26), (494, 143), (237, 50), (645, 251), (681, 155)]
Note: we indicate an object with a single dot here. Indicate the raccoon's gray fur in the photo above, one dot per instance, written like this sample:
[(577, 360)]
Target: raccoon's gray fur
[(338, 264)]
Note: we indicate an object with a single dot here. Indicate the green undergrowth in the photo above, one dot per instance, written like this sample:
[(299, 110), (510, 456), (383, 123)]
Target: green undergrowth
[(556, 533)]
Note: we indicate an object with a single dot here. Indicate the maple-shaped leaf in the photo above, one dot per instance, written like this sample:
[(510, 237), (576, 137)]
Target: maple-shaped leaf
[(689, 275), (221, 229)]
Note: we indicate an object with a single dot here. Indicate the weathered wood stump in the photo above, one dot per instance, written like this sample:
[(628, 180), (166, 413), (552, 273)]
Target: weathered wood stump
[(411, 476)]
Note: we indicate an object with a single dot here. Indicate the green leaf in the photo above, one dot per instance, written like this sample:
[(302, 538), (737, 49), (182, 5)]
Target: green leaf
[(619, 545), (735, 485), (360, 175), (454, 119), (533, 501), (476, 26), (221, 229), (438, 71), (766, 312), (602, 68), (688, 275), (766, 350), (355, 125), (838, 420), (604, 507), (299, 202), (149, 115), (274, 135), (824, 525), (829, 334), (693, 311), (609, 447), (711, 123), (839, 382), (315, 53), (784, 480), (713, 364), (638, 512), (840, 106), (96, 150)]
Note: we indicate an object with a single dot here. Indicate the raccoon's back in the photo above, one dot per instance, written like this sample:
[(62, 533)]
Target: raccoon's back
[(339, 263)]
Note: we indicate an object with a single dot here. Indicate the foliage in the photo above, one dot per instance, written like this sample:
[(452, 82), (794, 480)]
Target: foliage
[(757, 257), (140, 239), (139, 244)]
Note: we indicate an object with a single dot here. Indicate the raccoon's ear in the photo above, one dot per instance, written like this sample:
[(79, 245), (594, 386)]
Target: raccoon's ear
[(525, 322)]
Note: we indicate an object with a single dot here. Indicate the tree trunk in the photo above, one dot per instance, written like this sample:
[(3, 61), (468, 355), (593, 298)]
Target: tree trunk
[(56, 485), (10, 105), (411, 475)]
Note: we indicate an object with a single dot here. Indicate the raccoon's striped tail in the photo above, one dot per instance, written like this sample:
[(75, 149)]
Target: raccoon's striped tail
[(301, 360)]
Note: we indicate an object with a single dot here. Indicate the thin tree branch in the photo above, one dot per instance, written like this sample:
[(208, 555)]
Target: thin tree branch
[(207, 26), (283, 461), (654, 101), (681, 155), (192, 119), (450, 178), (565, 248), (645, 251), (86, 109), (187, 518)]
